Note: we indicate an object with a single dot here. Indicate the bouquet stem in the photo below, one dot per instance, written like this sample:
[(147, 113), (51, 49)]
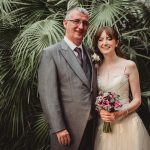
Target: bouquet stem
[(107, 127)]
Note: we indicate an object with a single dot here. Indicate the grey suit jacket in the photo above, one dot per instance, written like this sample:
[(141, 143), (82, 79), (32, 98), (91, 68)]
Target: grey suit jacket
[(65, 92)]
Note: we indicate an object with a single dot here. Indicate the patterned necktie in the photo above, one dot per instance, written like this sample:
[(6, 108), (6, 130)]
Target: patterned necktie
[(79, 56)]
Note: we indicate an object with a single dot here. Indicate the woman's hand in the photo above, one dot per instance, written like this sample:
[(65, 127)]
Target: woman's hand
[(112, 116), (107, 116)]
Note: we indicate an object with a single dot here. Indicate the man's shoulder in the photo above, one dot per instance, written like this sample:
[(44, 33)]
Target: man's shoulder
[(53, 47), (52, 50)]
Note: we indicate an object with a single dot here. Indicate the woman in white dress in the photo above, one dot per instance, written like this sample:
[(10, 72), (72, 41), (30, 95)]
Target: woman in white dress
[(116, 74)]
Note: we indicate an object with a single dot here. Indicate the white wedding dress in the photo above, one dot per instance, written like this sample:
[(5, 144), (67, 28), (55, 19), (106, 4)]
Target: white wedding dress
[(128, 133)]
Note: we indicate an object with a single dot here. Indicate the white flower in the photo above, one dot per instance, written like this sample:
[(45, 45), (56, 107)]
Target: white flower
[(105, 94), (95, 58)]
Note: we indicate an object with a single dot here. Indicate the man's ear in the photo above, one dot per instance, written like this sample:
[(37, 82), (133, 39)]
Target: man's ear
[(65, 23)]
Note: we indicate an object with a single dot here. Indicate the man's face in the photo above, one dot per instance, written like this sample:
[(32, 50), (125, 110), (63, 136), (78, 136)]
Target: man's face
[(76, 27)]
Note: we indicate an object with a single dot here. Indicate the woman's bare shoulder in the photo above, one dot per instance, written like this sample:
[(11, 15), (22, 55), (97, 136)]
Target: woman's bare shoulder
[(128, 63)]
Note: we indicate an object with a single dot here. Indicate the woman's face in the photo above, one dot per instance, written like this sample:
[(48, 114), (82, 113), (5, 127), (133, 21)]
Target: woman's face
[(106, 44)]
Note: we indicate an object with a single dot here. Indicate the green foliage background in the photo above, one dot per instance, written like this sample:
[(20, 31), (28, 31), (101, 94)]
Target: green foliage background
[(28, 26)]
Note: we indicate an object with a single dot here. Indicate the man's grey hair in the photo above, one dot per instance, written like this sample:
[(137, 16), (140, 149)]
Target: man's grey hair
[(79, 9)]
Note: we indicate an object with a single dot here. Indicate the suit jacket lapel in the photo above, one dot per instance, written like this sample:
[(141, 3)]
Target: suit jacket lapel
[(73, 62)]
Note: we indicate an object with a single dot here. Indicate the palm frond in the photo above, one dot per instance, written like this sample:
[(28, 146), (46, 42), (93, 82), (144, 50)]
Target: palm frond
[(106, 13), (41, 129), (146, 94), (18, 70), (5, 8), (21, 12), (29, 44)]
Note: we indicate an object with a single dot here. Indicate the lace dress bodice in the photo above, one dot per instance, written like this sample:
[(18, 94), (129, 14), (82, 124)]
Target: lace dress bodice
[(119, 84)]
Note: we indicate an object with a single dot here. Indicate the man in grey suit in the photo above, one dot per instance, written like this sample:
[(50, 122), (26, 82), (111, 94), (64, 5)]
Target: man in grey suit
[(67, 86)]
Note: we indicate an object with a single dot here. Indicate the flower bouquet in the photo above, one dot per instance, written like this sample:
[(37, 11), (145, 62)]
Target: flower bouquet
[(108, 101)]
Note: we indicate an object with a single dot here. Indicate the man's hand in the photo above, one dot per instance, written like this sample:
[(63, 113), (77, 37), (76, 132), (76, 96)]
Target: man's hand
[(63, 137)]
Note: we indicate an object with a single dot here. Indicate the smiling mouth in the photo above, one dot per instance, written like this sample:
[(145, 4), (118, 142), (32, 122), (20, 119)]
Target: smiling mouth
[(106, 47), (80, 32)]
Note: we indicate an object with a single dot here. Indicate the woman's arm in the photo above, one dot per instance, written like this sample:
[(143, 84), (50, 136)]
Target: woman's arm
[(134, 83)]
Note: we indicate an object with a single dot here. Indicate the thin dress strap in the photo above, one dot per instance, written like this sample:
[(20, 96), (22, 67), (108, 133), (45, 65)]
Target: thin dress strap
[(124, 70)]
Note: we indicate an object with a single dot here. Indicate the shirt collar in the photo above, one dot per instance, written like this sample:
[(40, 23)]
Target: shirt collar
[(71, 44)]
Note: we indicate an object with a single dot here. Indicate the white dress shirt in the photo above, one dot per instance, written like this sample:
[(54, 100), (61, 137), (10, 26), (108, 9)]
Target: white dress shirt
[(73, 46)]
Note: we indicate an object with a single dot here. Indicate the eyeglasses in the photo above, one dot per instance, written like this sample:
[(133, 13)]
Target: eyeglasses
[(78, 22)]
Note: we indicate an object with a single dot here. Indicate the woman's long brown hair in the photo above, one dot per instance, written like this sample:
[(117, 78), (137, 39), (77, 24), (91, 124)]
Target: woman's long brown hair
[(113, 34)]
